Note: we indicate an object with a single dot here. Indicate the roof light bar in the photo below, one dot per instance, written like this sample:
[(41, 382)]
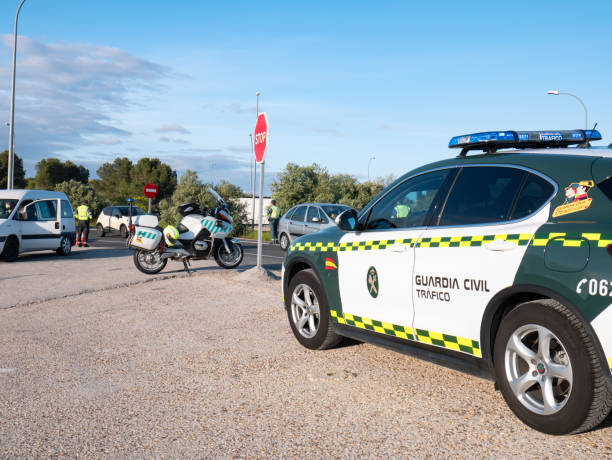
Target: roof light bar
[(491, 141)]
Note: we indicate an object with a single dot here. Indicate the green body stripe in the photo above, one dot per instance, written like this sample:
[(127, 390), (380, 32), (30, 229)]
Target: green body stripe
[(600, 240), (451, 342)]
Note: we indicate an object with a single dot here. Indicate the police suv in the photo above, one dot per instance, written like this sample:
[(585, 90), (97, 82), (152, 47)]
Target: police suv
[(503, 258)]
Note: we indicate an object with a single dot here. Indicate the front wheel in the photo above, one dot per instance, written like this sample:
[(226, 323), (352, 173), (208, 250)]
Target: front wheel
[(229, 259), (548, 369), (309, 314), (11, 249), (124, 231), (149, 262), (100, 230), (64, 247), (284, 242)]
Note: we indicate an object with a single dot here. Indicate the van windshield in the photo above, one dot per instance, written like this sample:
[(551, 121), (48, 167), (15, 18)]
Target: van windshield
[(6, 207)]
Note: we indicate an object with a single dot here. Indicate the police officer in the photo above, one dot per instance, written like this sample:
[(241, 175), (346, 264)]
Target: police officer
[(83, 214), (274, 214), (400, 210)]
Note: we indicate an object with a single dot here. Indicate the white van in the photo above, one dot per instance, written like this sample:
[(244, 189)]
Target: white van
[(35, 220)]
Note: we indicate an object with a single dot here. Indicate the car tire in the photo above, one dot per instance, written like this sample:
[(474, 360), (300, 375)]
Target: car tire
[(548, 369), (308, 312), (11, 249), (65, 246), (124, 231), (284, 242), (100, 230)]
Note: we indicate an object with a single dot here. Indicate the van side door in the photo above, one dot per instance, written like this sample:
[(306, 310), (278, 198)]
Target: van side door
[(40, 228)]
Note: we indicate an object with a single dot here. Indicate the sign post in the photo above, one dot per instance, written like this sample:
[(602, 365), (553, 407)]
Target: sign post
[(150, 191), (261, 142)]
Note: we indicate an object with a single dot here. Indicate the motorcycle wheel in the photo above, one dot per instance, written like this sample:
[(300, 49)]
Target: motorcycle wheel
[(149, 262), (229, 260)]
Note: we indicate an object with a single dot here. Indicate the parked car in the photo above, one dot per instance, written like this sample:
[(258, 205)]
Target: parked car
[(115, 219), (501, 258), (35, 220), (307, 218)]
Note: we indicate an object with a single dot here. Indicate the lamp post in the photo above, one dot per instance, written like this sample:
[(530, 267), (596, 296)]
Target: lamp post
[(586, 115), (252, 184), (11, 159), (369, 161)]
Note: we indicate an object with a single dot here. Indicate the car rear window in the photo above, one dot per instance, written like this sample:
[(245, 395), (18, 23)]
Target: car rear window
[(483, 194), (333, 211), (299, 214), (534, 194)]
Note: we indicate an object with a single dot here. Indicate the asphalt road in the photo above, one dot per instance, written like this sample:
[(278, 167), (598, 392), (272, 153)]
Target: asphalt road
[(272, 257)]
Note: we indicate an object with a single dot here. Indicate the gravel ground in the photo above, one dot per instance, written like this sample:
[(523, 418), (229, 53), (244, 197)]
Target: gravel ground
[(100, 361)]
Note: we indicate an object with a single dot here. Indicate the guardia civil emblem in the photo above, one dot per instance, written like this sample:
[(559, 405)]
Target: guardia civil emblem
[(372, 282)]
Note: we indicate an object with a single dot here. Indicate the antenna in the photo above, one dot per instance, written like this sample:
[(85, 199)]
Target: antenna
[(586, 144)]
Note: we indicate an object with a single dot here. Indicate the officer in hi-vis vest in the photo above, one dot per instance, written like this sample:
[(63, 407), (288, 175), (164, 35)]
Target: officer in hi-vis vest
[(274, 213), (83, 214)]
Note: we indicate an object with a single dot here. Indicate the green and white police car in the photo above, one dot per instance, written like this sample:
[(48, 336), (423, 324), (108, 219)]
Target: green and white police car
[(502, 257)]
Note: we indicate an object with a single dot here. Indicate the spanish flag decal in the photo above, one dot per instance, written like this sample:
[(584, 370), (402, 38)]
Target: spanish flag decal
[(330, 264)]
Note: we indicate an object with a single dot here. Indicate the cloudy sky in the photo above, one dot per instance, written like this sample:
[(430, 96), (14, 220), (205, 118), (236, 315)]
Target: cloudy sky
[(341, 82)]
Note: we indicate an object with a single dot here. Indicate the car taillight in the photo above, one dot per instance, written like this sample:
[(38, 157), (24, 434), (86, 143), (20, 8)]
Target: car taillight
[(609, 249), (133, 228)]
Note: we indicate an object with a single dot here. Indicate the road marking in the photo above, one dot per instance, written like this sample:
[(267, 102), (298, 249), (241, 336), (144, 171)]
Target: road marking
[(6, 370), (263, 255)]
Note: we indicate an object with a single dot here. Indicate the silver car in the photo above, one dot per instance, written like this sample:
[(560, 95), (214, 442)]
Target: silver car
[(306, 218)]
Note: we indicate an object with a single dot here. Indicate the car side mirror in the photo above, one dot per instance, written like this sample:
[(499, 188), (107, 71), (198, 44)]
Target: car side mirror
[(316, 220), (347, 220)]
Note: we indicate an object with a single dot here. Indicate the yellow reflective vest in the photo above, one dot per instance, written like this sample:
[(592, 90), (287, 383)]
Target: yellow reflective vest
[(274, 212), (83, 213)]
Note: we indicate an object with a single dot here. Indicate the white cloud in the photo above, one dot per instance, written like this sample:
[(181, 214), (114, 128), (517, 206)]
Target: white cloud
[(68, 93), (172, 128)]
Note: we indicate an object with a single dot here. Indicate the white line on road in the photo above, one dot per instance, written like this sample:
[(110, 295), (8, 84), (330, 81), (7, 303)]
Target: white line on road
[(263, 255)]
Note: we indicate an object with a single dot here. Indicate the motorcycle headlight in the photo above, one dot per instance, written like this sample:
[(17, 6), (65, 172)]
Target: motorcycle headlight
[(226, 216)]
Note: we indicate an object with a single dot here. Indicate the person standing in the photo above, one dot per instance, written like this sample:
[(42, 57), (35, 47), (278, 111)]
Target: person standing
[(83, 215), (274, 213)]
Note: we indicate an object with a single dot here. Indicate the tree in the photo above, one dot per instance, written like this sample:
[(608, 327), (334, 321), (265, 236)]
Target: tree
[(19, 180), (122, 179), (301, 184), (78, 193), (51, 171), (114, 184)]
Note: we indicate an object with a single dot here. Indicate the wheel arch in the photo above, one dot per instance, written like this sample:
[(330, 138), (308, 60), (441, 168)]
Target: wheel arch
[(296, 265), (508, 299)]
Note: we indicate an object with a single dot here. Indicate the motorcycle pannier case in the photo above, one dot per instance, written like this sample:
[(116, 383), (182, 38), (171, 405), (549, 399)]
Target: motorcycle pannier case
[(146, 238)]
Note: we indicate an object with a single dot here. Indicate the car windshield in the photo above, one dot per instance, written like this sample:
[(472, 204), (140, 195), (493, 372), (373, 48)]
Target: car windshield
[(6, 207), (332, 210), (136, 211)]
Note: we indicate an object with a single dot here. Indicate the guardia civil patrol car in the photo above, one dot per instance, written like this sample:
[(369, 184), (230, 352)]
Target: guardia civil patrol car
[(502, 255)]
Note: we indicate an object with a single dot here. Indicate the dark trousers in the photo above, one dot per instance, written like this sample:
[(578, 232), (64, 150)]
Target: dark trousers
[(273, 229), (82, 230)]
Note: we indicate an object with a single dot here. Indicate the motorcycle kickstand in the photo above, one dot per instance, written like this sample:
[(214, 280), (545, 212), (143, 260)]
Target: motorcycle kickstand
[(186, 264)]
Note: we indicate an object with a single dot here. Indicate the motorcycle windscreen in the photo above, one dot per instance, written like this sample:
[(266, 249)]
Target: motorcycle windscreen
[(146, 238)]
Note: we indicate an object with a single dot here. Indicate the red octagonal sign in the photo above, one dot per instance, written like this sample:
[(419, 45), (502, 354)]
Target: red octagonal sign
[(261, 137), (150, 190)]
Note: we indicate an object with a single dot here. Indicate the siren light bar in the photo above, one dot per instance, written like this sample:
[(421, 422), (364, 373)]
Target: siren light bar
[(491, 141)]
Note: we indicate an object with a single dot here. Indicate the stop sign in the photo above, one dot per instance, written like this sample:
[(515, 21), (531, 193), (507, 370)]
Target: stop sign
[(150, 190), (261, 137)]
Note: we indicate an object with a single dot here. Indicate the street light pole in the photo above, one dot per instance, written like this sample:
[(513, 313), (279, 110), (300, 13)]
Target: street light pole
[(252, 185), (369, 161), (11, 155), (586, 114)]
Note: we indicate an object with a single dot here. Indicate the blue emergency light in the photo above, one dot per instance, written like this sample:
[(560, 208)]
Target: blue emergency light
[(491, 141)]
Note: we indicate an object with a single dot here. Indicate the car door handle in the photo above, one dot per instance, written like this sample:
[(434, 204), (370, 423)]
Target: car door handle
[(57, 225), (398, 247), (500, 245)]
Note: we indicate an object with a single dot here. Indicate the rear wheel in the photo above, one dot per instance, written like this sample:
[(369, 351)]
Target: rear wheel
[(11, 249), (100, 230), (548, 369), (229, 259), (65, 246), (149, 262), (124, 231), (284, 242), (308, 312)]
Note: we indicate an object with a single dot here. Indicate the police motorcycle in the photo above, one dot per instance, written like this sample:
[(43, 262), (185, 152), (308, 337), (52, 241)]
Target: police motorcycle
[(201, 233)]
